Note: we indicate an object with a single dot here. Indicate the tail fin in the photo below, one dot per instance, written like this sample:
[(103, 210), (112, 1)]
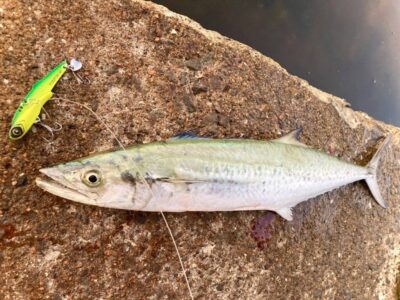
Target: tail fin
[(373, 166)]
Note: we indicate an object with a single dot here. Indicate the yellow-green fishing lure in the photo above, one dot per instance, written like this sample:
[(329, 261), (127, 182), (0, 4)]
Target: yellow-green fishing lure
[(29, 110)]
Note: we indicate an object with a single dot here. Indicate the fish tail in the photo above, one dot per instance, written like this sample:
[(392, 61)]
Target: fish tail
[(372, 180)]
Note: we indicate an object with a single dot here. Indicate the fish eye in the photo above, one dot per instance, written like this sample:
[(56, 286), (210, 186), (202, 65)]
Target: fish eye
[(92, 178)]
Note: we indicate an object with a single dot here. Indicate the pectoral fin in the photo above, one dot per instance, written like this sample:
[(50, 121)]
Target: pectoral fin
[(286, 213)]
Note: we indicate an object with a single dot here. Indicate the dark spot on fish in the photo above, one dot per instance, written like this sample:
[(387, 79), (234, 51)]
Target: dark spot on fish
[(138, 158), (128, 177), (150, 180), (164, 179)]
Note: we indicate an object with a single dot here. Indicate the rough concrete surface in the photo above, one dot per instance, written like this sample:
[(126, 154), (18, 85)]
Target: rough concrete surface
[(153, 74)]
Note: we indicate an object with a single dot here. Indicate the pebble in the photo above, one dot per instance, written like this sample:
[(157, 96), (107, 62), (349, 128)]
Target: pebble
[(210, 119), (223, 121), (194, 64), (189, 104), (21, 181), (198, 88)]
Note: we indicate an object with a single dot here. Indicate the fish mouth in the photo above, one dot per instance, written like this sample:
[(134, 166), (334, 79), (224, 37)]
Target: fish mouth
[(57, 185)]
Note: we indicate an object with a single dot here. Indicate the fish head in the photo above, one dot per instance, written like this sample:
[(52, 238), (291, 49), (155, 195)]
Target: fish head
[(103, 180)]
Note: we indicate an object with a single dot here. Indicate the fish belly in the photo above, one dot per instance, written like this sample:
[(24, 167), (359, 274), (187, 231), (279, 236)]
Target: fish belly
[(270, 194)]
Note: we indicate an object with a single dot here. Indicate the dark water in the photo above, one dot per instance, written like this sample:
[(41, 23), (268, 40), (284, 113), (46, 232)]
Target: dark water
[(348, 48)]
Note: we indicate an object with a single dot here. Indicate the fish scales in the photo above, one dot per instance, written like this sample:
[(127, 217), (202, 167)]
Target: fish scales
[(247, 174), (188, 174), (244, 161)]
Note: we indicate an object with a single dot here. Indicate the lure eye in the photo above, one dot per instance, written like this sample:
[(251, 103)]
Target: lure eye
[(92, 178), (16, 132)]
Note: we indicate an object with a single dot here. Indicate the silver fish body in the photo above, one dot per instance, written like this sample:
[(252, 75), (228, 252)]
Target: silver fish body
[(187, 174)]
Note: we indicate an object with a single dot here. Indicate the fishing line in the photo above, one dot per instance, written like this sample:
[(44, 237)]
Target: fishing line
[(144, 181)]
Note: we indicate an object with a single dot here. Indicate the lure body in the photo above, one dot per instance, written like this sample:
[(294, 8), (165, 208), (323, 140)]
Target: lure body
[(207, 175), (29, 110)]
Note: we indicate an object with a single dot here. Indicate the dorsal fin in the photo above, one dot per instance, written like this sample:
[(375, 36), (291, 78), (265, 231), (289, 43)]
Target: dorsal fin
[(185, 136), (292, 138)]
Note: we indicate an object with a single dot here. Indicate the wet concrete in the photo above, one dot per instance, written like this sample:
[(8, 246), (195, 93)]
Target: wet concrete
[(154, 74)]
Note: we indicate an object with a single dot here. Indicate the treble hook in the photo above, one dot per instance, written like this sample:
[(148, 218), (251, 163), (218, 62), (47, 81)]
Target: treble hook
[(48, 128), (81, 79)]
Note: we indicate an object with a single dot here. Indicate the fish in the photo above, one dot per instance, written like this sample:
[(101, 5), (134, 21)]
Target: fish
[(187, 173)]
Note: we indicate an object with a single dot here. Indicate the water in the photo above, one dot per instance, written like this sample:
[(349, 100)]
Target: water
[(348, 48)]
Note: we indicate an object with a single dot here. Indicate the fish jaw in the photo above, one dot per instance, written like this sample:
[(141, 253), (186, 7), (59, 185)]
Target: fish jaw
[(65, 182), (59, 186)]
